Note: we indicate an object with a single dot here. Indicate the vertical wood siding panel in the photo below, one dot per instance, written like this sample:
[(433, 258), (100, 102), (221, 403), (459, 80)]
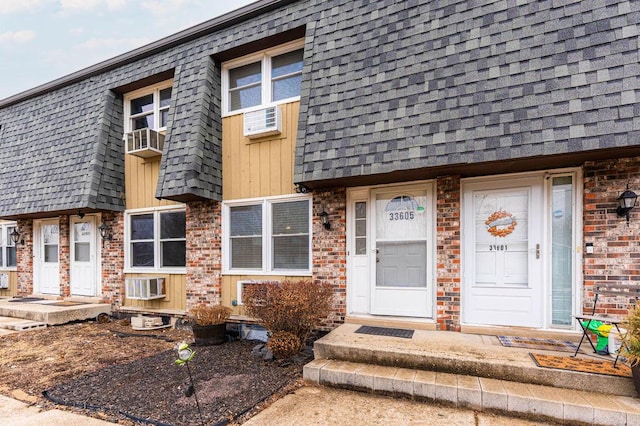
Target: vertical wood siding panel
[(262, 167)]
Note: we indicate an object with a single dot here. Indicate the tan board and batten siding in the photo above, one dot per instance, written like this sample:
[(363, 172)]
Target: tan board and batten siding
[(256, 168), (141, 179), (250, 168), (13, 284)]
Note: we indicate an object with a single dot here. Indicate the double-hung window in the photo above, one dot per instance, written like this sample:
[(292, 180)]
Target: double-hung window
[(8, 252), (156, 239), (266, 78), (268, 235), (148, 107)]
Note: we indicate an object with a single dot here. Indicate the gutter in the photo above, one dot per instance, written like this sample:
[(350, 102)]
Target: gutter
[(213, 25)]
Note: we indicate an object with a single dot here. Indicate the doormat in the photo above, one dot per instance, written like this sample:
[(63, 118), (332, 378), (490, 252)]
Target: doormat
[(66, 303), (384, 331), (582, 365), (535, 343), (26, 299)]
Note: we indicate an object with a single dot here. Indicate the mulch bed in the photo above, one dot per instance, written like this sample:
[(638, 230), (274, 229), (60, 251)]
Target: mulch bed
[(229, 383)]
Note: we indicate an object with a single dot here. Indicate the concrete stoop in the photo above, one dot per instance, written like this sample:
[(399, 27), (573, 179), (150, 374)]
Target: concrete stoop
[(471, 371), (478, 393), (47, 313)]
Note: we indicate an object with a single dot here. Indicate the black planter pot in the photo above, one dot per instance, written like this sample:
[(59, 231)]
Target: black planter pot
[(207, 335), (635, 373)]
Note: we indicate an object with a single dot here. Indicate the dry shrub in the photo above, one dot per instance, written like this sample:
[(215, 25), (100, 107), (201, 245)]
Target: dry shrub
[(296, 307), (209, 314), (284, 344)]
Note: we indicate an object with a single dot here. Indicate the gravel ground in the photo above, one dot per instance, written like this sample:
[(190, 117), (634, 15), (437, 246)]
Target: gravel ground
[(108, 371)]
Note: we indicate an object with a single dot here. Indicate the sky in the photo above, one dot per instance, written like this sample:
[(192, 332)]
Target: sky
[(41, 40)]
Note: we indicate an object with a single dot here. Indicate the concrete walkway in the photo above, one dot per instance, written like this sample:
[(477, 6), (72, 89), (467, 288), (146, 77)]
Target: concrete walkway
[(314, 406), (18, 413)]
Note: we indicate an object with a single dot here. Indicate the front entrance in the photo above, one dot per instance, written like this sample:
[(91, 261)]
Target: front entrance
[(46, 263), (515, 231), (390, 251), (83, 256)]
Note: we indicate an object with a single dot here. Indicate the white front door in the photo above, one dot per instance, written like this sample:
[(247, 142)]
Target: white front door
[(503, 252), (83, 256), (46, 257), (401, 221)]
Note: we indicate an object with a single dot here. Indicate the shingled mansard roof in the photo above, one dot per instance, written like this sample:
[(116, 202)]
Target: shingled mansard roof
[(414, 87), (454, 86)]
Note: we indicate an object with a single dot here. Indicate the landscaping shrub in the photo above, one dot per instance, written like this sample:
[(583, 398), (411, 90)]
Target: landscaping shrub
[(283, 344), (296, 307)]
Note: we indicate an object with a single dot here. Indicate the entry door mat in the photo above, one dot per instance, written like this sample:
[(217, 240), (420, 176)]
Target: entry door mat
[(384, 331), (535, 343), (582, 365), (26, 299)]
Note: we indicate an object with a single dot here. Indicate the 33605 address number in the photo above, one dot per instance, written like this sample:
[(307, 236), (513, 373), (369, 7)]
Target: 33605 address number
[(401, 216)]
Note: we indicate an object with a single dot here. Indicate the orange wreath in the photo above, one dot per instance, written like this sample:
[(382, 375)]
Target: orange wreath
[(496, 229)]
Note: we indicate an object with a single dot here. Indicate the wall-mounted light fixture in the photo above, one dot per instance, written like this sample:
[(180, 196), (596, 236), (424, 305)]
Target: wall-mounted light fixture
[(626, 202), (105, 232), (15, 236), (80, 214), (324, 217)]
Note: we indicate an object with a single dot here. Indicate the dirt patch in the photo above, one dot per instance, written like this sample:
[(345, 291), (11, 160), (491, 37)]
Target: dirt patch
[(122, 375)]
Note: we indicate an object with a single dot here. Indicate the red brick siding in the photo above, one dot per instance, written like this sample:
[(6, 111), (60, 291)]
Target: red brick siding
[(64, 256), (448, 253), (616, 245), (204, 253), (329, 249), (113, 260), (24, 257)]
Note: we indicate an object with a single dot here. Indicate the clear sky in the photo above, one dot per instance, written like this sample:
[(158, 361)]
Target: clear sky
[(41, 40)]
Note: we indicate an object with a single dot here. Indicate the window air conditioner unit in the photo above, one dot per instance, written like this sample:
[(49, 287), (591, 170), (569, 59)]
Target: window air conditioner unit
[(145, 288), (144, 143), (240, 285), (4, 281), (263, 122)]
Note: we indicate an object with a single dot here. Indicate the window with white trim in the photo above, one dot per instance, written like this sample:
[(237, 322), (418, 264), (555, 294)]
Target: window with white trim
[(268, 235), (148, 107), (8, 249), (267, 78), (156, 239)]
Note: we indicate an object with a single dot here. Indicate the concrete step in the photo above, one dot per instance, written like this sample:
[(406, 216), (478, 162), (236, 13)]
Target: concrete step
[(50, 312), (464, 354), (479, 393), (19, 324)]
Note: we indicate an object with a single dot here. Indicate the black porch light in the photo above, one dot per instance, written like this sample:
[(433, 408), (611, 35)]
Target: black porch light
[(324, 217), (105, 231), (15, 236), (626, 202)]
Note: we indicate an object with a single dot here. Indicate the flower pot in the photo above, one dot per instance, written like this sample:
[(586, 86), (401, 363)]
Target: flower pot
[(635, 374), (207, 335)]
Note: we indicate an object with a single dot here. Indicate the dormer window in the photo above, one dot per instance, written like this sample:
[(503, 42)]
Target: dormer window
[(266, 78), (148, 107)]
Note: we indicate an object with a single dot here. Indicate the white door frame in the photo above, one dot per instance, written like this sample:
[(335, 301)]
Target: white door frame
[(45, 281), (513, 180), (84, 279), (361, 268)]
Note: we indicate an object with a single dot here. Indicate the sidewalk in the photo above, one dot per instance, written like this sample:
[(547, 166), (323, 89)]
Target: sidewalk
[(313, 406), (18, 413)]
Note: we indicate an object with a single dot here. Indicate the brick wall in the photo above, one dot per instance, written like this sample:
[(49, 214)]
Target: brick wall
[(113, 260), (616, 245), (204, 260), (64, 258), (24, 257), (448, 253), (329, 249)]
